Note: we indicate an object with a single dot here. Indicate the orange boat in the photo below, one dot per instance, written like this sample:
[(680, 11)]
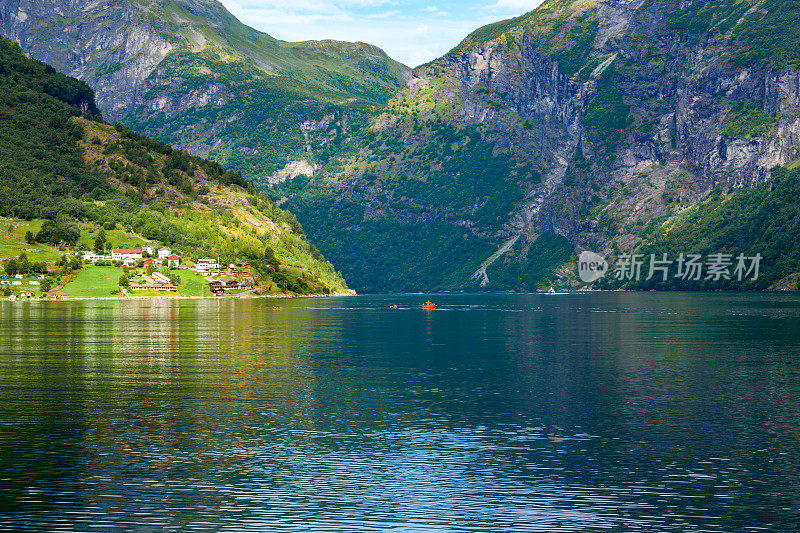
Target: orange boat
[(429, 305)]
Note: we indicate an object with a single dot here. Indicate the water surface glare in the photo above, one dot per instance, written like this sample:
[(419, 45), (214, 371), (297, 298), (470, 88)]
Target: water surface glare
[(589, 412)]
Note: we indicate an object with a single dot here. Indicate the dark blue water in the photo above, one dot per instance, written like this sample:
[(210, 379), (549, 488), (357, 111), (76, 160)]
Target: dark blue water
[(602, 412)]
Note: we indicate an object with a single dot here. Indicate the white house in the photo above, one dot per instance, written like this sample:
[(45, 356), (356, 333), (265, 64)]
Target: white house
[(126, 254), (173, 261), (92, 257), (33, 283), (206, 265), (164, 252), (151, 250), (160, 278)]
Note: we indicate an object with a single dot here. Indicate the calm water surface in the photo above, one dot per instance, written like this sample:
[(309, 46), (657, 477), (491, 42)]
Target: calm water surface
[(604, 412)]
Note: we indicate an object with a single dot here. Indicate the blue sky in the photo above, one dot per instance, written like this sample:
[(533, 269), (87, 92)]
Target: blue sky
[(410, 31)]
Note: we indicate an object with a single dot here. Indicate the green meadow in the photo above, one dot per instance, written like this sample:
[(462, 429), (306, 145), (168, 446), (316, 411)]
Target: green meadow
[(94, 282)]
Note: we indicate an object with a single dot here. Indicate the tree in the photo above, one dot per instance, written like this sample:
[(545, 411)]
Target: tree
[(55, 231), (100, 242), (47, 284), (10, 267), (124, 281), (23, 266), (30, 238), (269, 258)]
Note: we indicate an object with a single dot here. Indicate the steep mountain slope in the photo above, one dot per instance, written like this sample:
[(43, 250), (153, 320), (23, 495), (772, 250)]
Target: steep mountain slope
[(189, 73), (583, 124), (60, 162)]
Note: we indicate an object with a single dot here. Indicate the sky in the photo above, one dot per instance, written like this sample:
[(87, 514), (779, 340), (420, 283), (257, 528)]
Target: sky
[(410, 31)]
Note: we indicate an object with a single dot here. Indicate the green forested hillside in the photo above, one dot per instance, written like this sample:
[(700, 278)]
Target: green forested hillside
[(763, 220), (255, 128), (425, 197), (60, 163), (39, 159)]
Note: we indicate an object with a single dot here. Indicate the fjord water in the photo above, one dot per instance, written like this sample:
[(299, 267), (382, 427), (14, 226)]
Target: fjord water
[(587, 412)]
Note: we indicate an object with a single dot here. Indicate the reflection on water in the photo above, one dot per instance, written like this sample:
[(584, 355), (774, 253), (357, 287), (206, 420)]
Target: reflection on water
[(650, 412)]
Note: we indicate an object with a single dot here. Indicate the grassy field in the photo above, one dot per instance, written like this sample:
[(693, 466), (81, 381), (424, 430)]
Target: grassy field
[(12, 240), (94, 282), (117, 238), (192, 284)]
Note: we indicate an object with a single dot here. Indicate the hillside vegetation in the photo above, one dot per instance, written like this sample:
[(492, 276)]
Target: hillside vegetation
[(763, 220), (60, 163)]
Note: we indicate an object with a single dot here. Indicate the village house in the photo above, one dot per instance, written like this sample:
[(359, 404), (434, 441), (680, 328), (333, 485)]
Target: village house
[(206, 265), (216, 287), (150, 250), (128, 256), (150, 261), (173, 261), (154, 287), (91, 257), (160, 278), (164, 252)]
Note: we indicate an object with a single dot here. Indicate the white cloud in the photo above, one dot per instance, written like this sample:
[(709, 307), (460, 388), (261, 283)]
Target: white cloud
[(523, 6), (411, 31), (383, 15)]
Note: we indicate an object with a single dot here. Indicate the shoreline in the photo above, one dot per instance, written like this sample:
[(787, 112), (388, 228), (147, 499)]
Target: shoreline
[(354, 293), (143, 298)]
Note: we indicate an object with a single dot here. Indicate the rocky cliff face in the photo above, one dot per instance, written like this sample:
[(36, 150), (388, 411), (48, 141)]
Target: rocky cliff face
[(613, 116), (682, 94), (189, 73), (108, 44)]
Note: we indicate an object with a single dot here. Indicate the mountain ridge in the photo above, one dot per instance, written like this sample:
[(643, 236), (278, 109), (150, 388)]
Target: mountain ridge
[(605, 116), (189, 73), (583, 124)]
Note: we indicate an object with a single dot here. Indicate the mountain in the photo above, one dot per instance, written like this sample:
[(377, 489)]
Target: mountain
[(587, 124), (584, 124), (59, 161), (187, 72)]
